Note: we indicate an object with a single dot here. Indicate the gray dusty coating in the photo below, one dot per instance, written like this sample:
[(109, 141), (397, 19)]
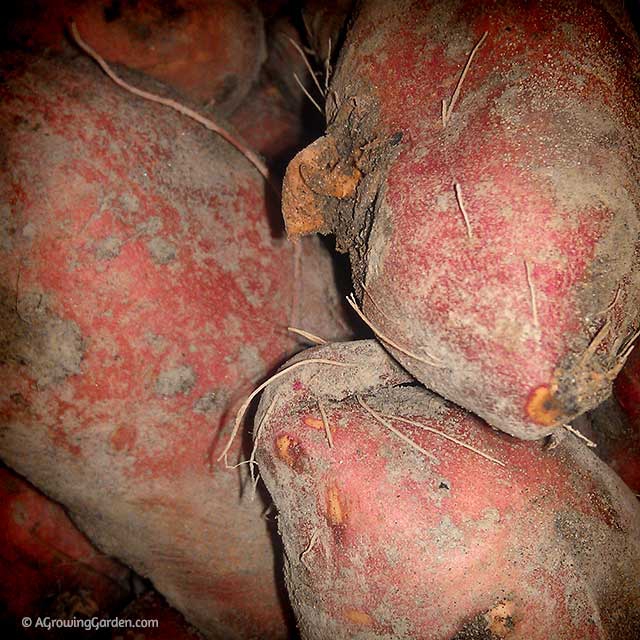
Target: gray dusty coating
[(367, 367), (114, 377), (177, 380), (382, 543), (49, 347), (543, 148), (163, 251)]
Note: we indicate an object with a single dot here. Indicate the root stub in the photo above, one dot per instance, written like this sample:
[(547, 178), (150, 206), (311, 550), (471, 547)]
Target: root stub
[(314, 177)]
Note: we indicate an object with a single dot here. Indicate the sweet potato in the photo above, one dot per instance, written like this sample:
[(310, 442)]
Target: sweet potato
[(324, 22), (47, 567), (282, 114), (614, 426), (480, 166), (385, 541), (626, 388), (209, 50), (273, 119), (616, 439), (144, 290)]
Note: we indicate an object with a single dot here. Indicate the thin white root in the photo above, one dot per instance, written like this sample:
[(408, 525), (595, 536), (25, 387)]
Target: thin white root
[(327, 68), (626, 351), (382, 312), (532, 295), (577, 434), (252, 458), (622, 360), (311, 337), (463, 209), (554, 440), (373, 301), (432, 361), (376, 416), (307, 64), (310, 546), (239, 464), (415, 423), (296, 295), (307, 28), (623, 356), (447, 109), (614, 301), (306, 93), (172, 104), (595, 342), (325, 422), (266, 383), (255, 487), (612, 374)]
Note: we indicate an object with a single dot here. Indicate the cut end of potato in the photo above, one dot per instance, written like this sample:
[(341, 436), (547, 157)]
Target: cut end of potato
[(542, 407)]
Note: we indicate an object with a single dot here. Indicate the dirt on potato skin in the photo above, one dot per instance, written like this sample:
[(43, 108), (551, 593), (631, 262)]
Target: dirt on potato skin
[(144, 292), (382, 542), (549, 185), (495, 624), (30, 335)]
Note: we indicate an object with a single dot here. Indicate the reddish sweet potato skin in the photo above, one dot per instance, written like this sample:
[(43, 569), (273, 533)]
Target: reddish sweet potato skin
[(325, 22), (144, 292), (616, 438), (47, 567), (525, 313), (614, 426), (209, 50), (381, 542), (627, 387), (273, 119)]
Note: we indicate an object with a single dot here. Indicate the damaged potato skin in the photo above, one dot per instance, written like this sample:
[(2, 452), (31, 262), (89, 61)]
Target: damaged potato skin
[(526, 309), (382, 542), (144, 291)]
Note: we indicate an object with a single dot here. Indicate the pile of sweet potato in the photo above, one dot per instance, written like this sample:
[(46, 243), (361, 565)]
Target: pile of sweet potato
[(446, 461)]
